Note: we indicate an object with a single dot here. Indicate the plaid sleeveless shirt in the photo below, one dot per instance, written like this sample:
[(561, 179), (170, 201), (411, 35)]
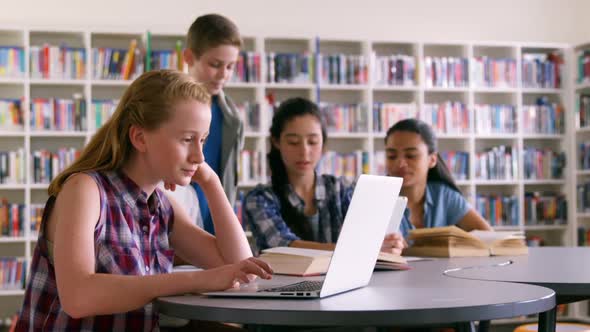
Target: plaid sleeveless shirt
[(130, 238)]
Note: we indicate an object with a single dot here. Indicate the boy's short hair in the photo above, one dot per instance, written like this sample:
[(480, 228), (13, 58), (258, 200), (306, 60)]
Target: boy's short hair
[(212, 30)]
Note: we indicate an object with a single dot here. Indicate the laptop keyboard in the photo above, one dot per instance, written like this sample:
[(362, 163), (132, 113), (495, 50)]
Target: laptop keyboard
[(304, 286)]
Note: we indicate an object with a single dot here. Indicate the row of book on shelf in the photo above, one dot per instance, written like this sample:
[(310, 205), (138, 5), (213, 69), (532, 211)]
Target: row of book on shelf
[(498, 163), (62, 114), (59, 114), (45, 164), (12, 273), (12, 218), (453, 117), (12, 167), (540, 208), (495, 163), (397, 70), (539, 70), (583, 197), (57, 62), (447, 117), (584, 236)]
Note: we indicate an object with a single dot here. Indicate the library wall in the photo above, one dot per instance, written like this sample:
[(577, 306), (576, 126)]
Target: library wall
[(429, 20)]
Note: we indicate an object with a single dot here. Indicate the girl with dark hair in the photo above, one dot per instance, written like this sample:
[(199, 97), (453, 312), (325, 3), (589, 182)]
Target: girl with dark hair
[(300, 208), (433, 197)]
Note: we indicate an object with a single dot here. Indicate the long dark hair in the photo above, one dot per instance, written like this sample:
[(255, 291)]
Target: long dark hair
[(440, 172), (287, 111)]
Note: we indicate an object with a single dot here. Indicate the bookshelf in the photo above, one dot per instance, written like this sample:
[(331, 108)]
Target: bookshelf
[(580, 173), (363, 87)]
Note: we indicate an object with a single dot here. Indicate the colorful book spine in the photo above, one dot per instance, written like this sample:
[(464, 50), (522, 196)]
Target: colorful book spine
[(57, 62), (343, 69), (12, 62), (247, 69), (583, 197), (584, 155), (582, 110), (12, 273), (543, 118), (497, 163), (103, 110), (386, 115), (583, 66), (59, 114), (11, 114), (12, 167), (493, 73), (36, 211), (166, 59), (395, 70), (379, 161), (12, 219), (495, 119), (543, 164), (348, 165), (458, 163), (545, 208), (583, 236), (46, 165), (118, 64), (542, 70), (250, 166), (446, 118), (289, 68), (344, 118), (250, 115), (446, 72), (498, 210)]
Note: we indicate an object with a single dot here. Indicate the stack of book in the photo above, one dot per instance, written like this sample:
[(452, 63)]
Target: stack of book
[(451, 241)]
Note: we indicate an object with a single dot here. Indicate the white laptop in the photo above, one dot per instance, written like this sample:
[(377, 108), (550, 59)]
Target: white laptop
[(359, 242)]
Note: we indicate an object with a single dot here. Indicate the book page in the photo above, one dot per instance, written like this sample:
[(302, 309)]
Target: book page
[(489, 237), (297, 252)]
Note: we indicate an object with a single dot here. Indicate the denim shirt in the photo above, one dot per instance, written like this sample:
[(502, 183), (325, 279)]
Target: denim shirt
[(443, 206)]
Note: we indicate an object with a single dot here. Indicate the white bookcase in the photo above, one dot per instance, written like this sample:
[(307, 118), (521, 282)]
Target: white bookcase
[(581, 219), (30, 193)]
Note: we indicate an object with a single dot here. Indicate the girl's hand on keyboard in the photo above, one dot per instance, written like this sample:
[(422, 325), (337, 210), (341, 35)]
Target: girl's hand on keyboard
[(232, 275)]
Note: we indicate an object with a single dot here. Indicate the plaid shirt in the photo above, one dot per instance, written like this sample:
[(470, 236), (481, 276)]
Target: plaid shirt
[(130, 238), (262, 211)]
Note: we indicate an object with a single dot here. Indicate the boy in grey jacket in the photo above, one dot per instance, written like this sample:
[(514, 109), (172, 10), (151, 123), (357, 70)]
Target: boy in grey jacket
[(213, 45)]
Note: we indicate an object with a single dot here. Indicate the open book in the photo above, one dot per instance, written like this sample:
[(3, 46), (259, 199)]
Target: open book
[(308, 262), (451, 241)]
